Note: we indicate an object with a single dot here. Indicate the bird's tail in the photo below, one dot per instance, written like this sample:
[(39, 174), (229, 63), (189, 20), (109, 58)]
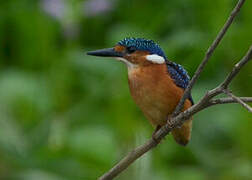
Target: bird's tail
[(182, 135)]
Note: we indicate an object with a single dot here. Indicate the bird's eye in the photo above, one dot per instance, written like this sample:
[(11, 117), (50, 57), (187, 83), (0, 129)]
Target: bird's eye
[(131, 49)]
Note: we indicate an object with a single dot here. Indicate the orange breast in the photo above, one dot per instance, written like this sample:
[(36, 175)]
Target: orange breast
[(154, 92)]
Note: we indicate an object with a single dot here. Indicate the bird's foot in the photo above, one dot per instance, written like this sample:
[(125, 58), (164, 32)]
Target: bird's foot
[(170, 122)]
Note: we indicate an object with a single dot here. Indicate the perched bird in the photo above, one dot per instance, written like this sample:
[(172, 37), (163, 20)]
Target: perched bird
[(156, 83)]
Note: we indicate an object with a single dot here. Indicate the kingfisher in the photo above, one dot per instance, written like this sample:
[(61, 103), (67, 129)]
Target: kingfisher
[(156, 84)]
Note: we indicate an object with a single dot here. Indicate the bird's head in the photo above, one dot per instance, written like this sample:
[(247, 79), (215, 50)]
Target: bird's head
[(134, 52)]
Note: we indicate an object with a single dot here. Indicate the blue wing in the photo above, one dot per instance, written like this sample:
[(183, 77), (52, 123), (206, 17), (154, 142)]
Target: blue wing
[(179, 75)]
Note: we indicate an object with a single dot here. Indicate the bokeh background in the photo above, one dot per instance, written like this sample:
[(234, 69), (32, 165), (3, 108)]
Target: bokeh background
[(67, 116)]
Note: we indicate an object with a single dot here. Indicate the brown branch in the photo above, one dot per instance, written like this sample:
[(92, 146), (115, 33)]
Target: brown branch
[(129, 159), (237, 68), (179, 118), (208, 55), (238, 100), (228, 101)]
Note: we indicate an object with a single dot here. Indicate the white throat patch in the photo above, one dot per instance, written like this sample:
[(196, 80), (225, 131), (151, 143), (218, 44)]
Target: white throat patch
[(129, 64), (155, 58)]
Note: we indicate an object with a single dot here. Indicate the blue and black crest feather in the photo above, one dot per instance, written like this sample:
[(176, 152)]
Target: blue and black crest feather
[(176, 71), (143, 45)]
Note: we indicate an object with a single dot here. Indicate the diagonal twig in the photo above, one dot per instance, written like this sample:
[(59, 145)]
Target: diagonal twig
[(237, 68), (238, 100), (228, 101), (208, 55)]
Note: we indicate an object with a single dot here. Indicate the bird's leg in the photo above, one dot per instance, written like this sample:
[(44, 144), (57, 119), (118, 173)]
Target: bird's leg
[(154, 132)]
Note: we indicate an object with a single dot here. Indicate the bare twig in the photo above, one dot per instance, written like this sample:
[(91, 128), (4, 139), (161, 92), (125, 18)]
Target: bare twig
[(237, 99), (127, 160), (208, 55), (179, 118), (228, 101), (237, 68)]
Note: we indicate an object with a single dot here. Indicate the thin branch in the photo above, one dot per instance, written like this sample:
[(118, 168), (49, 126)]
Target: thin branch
[(179, 118), (237, 68), (127, 160), (208, 55), (228, 101), (237, 99)]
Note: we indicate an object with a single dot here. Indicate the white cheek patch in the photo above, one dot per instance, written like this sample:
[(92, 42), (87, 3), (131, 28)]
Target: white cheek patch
[(155, 58), (129, 64)]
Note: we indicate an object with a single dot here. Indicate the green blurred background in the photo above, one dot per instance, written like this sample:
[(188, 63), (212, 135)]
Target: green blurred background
[(68, 116)]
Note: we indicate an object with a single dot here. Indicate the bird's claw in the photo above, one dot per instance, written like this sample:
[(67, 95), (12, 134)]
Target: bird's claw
[(170, 122)]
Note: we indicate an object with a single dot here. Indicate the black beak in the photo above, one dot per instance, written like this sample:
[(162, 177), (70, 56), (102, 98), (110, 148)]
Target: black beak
[(109, 52)]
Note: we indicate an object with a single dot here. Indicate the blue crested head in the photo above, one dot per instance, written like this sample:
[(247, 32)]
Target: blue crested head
[(143, 45), (177, 72)]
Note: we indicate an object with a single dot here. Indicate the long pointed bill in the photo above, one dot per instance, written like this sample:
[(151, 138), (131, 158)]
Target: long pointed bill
[(109, 52)]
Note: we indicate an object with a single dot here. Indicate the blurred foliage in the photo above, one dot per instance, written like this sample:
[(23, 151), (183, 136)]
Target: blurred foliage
[(67, 116)]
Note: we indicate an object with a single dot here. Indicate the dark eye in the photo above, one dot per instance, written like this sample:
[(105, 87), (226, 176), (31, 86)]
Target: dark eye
[(131, 49)]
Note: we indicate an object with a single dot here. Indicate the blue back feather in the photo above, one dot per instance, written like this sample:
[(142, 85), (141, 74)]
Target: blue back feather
[(179, 75)]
